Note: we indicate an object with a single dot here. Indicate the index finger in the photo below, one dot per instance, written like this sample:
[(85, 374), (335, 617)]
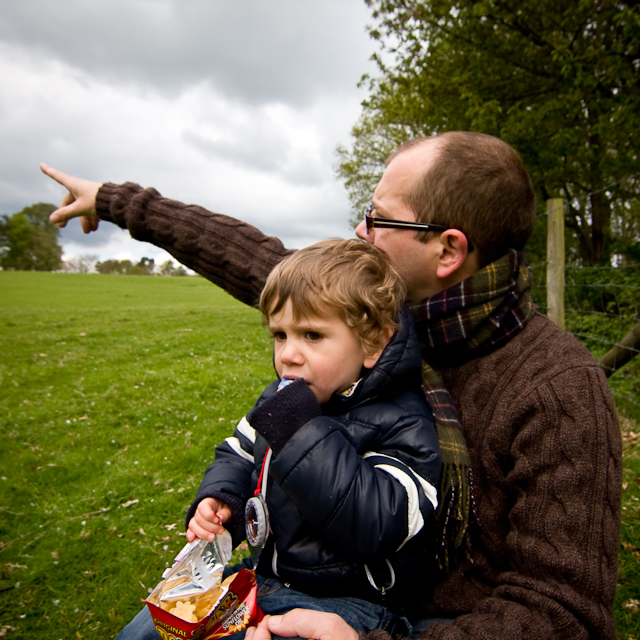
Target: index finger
[(59, 176)]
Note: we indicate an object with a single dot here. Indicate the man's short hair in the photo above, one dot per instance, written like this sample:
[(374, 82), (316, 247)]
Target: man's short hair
[(480, 185), (351, 277)]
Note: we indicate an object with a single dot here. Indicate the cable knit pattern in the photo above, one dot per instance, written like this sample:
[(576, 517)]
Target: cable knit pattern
[(230, 253), (542, 436), (545, 448)]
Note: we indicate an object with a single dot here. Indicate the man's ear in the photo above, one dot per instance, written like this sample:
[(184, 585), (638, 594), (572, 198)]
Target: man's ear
[(371, 360), (454, 258)]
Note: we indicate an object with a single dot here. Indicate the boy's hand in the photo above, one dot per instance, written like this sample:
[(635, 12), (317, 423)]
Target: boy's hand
[(280, 416), (208, 519)]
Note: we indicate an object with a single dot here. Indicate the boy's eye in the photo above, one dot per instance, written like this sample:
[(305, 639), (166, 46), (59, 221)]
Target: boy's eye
[(279, 336), (313, 336)]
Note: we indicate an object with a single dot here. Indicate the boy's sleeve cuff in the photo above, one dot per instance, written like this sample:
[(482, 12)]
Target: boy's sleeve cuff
[(280, 416)]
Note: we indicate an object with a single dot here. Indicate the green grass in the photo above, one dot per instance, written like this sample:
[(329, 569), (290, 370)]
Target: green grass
[(627, 608), (114, 391)]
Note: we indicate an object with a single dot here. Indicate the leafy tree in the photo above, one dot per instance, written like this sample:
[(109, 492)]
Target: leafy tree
[(167, 268), (557, 79), (120, 267), (28, 241), (145, 267)]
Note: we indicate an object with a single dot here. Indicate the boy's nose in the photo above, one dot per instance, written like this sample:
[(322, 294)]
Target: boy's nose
[(291, 353)]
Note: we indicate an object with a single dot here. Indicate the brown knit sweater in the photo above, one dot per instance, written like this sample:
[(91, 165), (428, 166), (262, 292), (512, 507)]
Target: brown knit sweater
[(542, 436)]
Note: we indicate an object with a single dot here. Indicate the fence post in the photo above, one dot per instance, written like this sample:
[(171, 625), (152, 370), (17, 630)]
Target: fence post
[(555, 260)]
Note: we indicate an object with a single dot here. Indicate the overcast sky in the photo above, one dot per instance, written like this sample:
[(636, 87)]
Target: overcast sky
[(236, 105)]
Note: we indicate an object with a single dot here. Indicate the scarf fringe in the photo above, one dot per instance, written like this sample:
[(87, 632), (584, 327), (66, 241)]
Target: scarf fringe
[(453, 516)]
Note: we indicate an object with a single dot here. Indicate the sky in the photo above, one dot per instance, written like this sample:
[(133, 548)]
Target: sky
[(235, 105)]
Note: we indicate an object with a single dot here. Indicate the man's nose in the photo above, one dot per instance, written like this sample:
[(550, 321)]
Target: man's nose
[(361, 232)]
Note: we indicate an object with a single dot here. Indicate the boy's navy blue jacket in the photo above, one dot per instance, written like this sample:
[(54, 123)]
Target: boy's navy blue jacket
[(351, 494)]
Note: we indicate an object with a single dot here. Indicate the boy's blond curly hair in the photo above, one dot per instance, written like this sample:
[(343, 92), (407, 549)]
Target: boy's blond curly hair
[(351, 277)]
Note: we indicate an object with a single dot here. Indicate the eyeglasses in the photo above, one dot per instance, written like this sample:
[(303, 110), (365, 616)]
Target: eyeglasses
[(385, 223)]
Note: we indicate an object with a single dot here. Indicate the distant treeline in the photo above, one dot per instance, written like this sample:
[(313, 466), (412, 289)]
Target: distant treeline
[(146, 267)]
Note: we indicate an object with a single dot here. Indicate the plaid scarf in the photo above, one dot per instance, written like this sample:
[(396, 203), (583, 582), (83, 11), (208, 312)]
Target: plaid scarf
[(472, 318)]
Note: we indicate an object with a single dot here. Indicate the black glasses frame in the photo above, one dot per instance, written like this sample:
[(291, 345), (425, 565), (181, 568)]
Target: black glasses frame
[(372, 222)]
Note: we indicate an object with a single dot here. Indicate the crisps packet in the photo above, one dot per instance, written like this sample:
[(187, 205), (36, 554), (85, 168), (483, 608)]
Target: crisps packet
[(192, 601)]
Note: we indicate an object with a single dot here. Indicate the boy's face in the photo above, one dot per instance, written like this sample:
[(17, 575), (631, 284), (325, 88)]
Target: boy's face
[(321, 349)]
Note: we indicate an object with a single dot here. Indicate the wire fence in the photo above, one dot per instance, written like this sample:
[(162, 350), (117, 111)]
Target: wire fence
[(602, 305)]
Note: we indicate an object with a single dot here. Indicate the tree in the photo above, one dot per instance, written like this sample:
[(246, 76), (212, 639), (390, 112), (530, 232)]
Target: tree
[(119, 267), (81, 264), (557, 79), (167, 268), (28, 241), (622, 352), (145, 267)]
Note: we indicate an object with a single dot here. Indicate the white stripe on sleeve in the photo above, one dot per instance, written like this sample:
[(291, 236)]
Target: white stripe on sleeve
[(415, 520), (429, 490), (248, 432)]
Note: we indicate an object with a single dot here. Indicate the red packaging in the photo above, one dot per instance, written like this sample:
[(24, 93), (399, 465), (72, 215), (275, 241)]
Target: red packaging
[(192, 601), (236, 609)]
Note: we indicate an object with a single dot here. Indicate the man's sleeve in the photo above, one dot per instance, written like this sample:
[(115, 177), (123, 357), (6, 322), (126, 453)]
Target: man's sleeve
[(230, 253)]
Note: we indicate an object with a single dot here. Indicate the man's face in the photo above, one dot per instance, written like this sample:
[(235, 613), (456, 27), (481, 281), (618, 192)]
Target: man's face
[(414, 260)]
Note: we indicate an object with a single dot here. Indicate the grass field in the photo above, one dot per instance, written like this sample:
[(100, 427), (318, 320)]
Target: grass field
[(113, 392)]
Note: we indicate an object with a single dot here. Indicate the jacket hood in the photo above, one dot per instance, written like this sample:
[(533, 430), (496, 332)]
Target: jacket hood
[(399, 364)]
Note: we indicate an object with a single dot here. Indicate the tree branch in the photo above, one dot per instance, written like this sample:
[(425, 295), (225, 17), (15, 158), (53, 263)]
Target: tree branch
[(623, 351)]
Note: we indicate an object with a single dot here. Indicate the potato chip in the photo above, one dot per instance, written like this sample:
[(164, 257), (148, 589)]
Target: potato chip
[(184, 611)]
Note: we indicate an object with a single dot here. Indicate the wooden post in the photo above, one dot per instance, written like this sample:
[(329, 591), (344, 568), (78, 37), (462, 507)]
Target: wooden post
[(555, 261)]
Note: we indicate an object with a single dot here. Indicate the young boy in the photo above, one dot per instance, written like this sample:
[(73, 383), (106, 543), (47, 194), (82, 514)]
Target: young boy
[(338, 469)]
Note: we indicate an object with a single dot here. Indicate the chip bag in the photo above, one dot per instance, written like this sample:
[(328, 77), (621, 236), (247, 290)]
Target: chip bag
[(192, 600)]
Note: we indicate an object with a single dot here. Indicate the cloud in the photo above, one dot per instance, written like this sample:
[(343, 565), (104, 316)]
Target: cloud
[(237, 107), (252, 50)]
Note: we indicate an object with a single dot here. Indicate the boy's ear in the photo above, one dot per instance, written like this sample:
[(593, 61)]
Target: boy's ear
[(371, 360)]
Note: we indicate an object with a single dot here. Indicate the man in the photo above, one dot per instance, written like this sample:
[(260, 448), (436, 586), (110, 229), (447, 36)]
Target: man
[(540, 431)]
